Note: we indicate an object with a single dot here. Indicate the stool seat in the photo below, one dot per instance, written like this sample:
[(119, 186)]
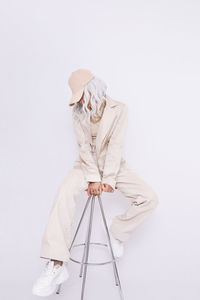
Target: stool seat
[(87, 244)]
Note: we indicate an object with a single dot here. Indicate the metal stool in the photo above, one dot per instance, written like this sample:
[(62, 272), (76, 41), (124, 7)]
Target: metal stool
[(84, 263)]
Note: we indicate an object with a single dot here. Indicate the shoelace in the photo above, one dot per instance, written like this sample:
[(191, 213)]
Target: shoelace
[(48, 271)]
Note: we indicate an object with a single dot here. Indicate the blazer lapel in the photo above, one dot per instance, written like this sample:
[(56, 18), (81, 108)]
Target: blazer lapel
[(106, 122)]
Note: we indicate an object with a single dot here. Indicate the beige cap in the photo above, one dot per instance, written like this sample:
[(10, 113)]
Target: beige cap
[(77, 81)]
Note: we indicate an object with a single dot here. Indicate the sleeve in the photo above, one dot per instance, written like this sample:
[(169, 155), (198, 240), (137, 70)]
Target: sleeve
[(114, 151), (88, 164)]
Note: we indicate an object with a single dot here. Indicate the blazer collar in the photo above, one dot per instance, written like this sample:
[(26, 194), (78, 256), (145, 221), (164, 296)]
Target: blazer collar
[(111, 102)]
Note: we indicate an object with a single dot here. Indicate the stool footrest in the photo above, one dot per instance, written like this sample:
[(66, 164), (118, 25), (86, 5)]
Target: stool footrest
[(90, 263)]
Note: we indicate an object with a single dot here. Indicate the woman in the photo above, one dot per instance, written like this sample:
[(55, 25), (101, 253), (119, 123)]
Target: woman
[(100, 124)]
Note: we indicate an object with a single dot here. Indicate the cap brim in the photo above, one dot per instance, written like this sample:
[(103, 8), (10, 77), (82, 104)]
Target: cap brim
[(76, 97)]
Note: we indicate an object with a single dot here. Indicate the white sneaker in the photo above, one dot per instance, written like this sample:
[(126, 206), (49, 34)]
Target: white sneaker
[(117, 245), (51, 276)]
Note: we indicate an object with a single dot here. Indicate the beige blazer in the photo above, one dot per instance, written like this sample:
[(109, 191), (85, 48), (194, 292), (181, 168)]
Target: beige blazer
[(109, 142)]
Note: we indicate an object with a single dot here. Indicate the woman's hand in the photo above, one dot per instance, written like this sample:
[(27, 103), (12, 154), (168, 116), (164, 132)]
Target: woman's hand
[(94, 188), (107, 188)]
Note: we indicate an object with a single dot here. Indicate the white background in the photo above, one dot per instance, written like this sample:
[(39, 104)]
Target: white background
[(147, 52)]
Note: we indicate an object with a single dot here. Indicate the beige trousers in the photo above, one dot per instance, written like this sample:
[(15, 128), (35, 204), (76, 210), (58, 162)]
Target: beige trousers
[(56, 238)]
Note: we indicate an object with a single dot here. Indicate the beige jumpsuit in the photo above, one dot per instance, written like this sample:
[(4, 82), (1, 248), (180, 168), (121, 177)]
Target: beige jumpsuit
[(56, 238)]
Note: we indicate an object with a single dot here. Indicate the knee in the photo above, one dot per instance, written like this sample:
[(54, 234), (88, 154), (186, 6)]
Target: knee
[(153, 198)]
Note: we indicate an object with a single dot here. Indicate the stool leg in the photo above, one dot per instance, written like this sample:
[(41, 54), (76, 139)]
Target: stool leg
[(83, 258), (110, 245), (112, 254), (87, 246), (79, 224)]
